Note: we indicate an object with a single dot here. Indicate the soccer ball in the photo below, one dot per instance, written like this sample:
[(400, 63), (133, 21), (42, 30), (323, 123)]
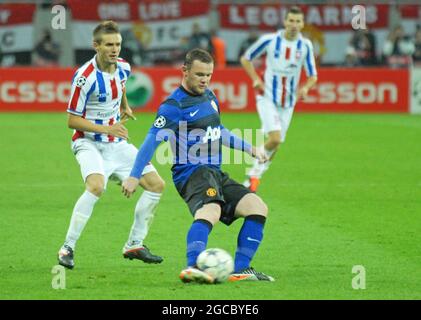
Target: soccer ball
[(217, 263)]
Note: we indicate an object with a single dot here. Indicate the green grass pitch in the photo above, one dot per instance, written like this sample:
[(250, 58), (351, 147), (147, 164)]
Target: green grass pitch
[(344, 190)]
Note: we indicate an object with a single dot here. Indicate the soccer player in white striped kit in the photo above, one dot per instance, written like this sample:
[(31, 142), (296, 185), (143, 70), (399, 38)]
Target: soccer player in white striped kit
[(287, 51), (97, 111)]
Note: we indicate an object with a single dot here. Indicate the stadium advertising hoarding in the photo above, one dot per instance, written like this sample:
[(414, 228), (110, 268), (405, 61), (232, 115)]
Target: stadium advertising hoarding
[(160, 28), (328, 26), (359, 90), (16, 27), (34, 89), (326, 17), (156, 25), (338, 90), (164, 25)]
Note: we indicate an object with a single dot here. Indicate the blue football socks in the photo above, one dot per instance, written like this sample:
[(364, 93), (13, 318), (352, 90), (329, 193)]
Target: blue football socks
[(197, 239), (249, 238)]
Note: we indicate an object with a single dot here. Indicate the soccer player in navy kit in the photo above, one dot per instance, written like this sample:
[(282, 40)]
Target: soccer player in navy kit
[(189, 119)]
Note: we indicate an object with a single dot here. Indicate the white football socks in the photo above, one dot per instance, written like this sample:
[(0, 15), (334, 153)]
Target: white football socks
[(81, 214), (144, 214)]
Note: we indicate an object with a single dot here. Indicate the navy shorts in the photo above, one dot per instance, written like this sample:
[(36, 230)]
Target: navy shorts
[(207, 185)]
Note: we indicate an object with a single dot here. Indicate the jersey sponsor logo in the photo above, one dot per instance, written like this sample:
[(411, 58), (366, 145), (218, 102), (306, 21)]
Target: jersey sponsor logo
[(211, 192), (192, 114), (212, 134), (111, 114), (102, 95), (160, 122), (80, 82)]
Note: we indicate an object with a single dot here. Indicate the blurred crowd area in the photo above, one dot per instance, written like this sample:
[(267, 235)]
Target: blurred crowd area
[(397, 45)]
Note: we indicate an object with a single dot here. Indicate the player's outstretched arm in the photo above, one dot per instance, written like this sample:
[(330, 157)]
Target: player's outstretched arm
[(248, 66), (258, 48), (303, 91), (166, 121), (144, 155), (311, 72), (232, 141), (125, 111)]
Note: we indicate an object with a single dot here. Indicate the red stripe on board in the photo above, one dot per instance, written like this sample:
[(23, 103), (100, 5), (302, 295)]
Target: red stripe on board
[(113, 88), (110, 123), (284, 81), (287, 53)]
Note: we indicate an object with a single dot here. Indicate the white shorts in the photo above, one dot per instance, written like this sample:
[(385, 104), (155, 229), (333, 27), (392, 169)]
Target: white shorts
[(273, 118), (112, 160)]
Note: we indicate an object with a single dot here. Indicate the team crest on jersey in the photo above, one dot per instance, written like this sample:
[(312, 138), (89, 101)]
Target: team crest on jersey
[(214, 105), (160, 122), (80, 82), (298, 55), (211, 192)]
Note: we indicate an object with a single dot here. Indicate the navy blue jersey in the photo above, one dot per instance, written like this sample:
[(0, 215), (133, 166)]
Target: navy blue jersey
[(192, 125), (194, 130)]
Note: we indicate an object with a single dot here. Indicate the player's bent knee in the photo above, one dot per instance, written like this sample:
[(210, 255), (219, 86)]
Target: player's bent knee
[(274, 139), (161, 185), (95, 184), (265, 209), (153, 182), (251, 204), (274, 142), (157, 186), (210, 212), (96, 189), (259, 207)]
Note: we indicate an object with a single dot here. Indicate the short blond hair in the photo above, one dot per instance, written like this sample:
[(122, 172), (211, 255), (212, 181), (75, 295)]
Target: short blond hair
[(105, 27)]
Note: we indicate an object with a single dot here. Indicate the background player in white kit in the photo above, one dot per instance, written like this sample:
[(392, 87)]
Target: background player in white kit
[(97, 110), (286, 52)]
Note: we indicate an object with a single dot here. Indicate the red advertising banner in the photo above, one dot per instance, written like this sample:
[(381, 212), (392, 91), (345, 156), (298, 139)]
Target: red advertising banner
[(16, 13), (35, 89), (338, 90), (161, 27), (140, 11), (359, 90), (325, 17), (410, 11)]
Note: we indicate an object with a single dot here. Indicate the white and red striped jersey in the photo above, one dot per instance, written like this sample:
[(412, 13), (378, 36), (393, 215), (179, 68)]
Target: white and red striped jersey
[(96, 96), (284, 61)]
